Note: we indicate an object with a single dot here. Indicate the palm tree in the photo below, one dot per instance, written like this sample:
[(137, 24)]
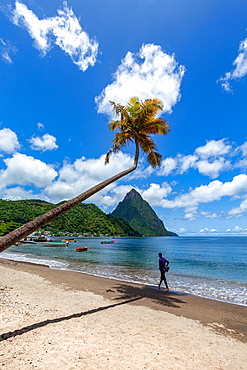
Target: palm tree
[(137, 122)]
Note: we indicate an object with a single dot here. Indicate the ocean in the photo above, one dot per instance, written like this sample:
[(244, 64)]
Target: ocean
[(211, 267)]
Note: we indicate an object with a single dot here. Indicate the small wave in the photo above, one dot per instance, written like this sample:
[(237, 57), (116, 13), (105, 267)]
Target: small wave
[(35, 260), (220, 290)]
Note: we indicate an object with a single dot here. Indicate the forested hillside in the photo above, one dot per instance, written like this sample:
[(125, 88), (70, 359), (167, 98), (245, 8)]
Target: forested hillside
[(82, 219)]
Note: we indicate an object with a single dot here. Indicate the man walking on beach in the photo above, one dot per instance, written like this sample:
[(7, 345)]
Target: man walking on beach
[(163, 267)]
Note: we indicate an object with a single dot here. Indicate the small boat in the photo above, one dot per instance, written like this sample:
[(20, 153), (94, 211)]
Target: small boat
[(55, 244), (81, 249), (107, 241), (69, 240)]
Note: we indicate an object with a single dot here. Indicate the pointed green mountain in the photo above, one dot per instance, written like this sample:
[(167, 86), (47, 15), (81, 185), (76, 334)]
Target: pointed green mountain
[(140, 216)]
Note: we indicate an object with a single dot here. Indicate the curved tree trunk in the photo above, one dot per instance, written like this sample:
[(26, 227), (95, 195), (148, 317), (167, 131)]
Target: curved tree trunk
[(20, 233)]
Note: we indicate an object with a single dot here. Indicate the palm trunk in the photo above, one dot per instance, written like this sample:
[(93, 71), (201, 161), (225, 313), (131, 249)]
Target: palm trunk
[(20, 233)]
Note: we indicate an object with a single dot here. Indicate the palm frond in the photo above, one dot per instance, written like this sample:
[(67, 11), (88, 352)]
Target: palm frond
[(107, 157), (154, 159), (137, 121), (146, 143), (157, 126), (114, 125), (150, 108)]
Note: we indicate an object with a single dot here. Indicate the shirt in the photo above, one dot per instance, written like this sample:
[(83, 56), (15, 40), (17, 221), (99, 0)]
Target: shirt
[(163, 263)]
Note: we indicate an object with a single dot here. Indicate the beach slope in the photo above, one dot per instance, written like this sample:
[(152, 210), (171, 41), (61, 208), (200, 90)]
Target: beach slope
[(54, 319)]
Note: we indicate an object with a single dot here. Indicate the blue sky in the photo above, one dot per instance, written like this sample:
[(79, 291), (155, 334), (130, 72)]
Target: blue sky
[(61, 63)]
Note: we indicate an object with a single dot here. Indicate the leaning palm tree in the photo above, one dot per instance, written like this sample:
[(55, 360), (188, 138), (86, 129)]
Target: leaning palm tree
[(138, 120)]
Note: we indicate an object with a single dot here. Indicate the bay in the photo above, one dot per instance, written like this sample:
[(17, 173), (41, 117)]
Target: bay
[(211, 267)]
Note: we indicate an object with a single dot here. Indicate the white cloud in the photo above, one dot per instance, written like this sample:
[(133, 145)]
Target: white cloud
[(167, 166), (19, 193), (155, 193), (44, 143), (190, 212), (116, 195), (238, 229), (205, 230), (151, 73), (63, 30), (212, 169), (214, 191), (186, 162), (8, 141), (213, 148), (40, 126), (25, 170), (6, 51), (243, 149), (83, 174), (207, 159), (239, 211), (182, 230), (209, 214), (240, 70), (208, 231)]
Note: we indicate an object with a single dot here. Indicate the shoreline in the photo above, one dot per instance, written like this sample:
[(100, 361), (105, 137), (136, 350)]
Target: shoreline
[(226, 291), (223, 317)]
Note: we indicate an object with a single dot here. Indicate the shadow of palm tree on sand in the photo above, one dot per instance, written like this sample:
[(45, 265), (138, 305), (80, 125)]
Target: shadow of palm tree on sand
[(124, 292)]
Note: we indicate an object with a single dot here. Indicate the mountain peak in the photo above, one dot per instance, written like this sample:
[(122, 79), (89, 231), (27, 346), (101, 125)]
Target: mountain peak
[(140, 216), (133, 195)]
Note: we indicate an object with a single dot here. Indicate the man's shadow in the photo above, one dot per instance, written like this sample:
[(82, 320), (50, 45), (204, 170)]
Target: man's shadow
[(161, 297)]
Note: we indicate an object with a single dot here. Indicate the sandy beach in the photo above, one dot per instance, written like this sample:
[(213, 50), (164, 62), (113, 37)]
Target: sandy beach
[(52, 319)]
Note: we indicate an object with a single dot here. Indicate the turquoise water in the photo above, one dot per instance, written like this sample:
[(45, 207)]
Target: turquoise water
[(212, 267)]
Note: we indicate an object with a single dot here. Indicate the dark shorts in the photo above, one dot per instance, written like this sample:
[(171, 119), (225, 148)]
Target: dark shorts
[(162, 275)]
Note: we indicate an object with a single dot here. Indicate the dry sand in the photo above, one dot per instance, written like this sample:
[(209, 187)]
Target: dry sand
[(54, 319)]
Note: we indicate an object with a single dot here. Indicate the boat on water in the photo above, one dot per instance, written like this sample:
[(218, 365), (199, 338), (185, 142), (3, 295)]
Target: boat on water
[(54, 244), (69, 240), (107, 241), (81, 249)]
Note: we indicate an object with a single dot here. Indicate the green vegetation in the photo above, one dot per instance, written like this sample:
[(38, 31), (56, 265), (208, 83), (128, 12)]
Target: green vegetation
[(140, 216), (7, 227), (82, 219)]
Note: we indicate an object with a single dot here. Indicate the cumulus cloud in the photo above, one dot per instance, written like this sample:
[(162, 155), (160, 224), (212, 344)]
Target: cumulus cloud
[(208, 231), (167, 166), (83, 174), (19, 193), (208, 159), (7, 50), (44, 143), (240, 69), (213, 148), (156, 192), (26, 170), (151, 73), (8, 141), (63, 30), (214, 191), (238, 211), (212, 169)]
